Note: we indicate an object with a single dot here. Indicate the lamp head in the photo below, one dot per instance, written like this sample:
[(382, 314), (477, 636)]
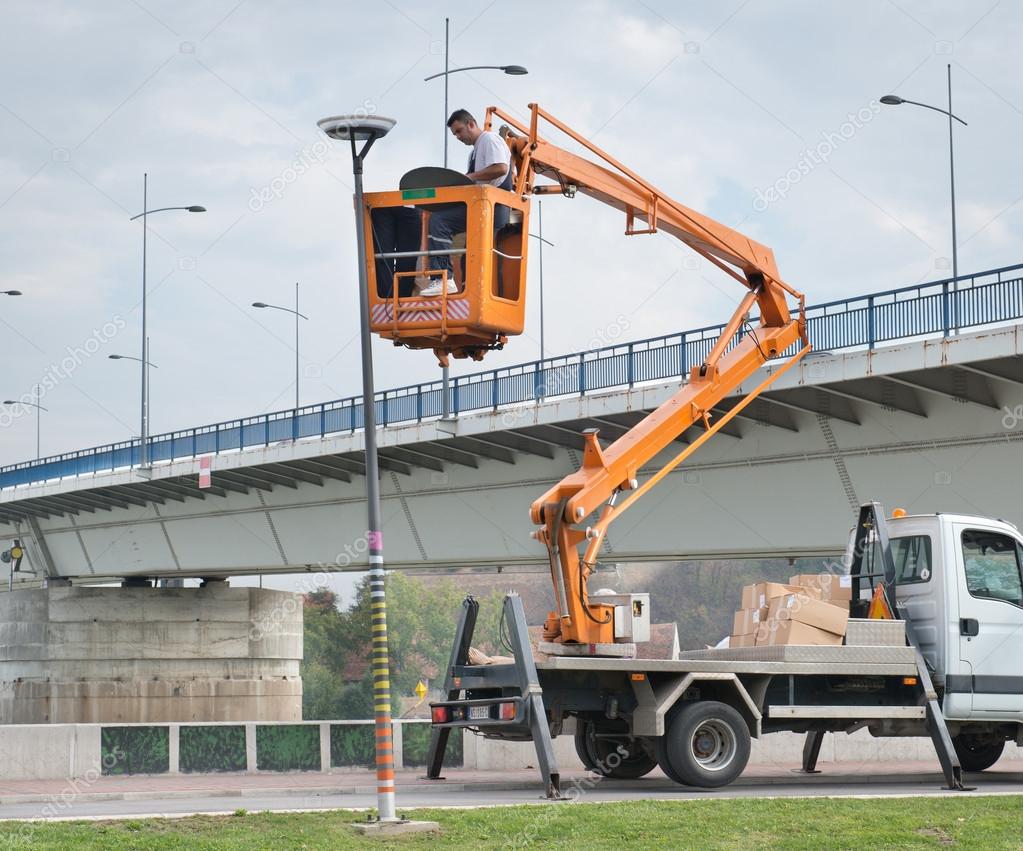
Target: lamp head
[(115, 357), (195, 208), (9, 402), (12, 292), (260, 304), (892, 100), (514, 70), (358, 127)]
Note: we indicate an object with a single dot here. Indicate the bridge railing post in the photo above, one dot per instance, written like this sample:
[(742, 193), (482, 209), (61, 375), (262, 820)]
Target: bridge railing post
[(682, 357), (383, 418), (266, 430), (944, 308), (493, 388), (871, 329), (454, 393), (630, 368), (582, 373)]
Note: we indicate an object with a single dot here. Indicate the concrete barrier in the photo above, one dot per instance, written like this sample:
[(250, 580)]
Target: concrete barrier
[(77, 751)]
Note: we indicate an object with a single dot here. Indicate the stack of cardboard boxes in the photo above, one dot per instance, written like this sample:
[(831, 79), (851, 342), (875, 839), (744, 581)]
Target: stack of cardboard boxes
[(811, 609)]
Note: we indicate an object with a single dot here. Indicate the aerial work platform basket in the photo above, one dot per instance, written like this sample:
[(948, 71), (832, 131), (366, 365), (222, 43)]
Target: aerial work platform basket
[(464, 243)]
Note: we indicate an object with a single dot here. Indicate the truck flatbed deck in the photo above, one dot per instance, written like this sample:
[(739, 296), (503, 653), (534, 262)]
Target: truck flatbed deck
[(782, 659)]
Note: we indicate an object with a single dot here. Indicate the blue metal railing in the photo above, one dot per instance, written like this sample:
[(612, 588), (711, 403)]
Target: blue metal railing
[(935, 308)]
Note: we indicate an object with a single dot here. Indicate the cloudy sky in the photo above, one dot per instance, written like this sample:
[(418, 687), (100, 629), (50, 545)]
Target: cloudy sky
[(761, 114)]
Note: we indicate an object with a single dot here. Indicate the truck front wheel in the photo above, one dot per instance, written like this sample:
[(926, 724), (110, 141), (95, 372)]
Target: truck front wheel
[(707, 744), (977, 753)]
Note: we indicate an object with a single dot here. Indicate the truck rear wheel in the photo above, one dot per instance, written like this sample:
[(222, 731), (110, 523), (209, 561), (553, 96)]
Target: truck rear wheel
[(707, 744), (977, 753), (619, 757)]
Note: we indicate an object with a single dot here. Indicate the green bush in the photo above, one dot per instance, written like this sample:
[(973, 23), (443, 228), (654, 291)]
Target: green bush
[(135, 750), (352, 746), (212, 749), (415, 746), (288, 747)]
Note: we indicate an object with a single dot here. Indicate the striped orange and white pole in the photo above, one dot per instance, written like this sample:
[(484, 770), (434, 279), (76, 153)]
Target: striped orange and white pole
[(381, 679), (354, 130)]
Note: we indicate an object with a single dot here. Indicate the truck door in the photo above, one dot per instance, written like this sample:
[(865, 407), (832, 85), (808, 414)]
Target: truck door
[(991, 618)]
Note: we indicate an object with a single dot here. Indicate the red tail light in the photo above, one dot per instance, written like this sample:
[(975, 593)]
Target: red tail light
[(440, 714), (507, 712)]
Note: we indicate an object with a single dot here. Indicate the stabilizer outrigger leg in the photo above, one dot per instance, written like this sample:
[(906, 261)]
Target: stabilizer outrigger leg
[(520, 676)]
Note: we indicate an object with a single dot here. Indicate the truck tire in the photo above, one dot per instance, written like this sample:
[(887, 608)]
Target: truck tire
[(661, 746), (618, 757), (707, 744), (582, 745), (977, 753)]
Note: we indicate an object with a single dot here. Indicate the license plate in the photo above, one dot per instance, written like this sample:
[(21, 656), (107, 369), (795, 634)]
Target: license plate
[(478, 713)]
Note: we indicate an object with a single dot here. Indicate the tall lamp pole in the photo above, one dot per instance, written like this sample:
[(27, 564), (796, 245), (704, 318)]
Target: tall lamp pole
[(539, 236), (508, 69), (895, 100), (297, 317), (147, 363), (144, 430), (367, 129), (38, 408)]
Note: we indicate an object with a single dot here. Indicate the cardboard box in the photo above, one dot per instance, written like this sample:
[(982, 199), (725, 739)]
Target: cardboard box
[(742, 640), (746, 621), (750, 595), (790, 632), (767, 591), (833, 588), (801, 608)]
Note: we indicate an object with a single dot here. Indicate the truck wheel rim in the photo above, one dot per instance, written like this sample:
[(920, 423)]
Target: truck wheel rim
[(713, 745)]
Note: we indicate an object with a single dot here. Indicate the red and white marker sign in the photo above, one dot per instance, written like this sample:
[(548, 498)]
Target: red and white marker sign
[(205, 471)]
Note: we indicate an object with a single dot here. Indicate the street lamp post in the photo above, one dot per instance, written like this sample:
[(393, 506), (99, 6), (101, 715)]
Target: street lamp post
[(144, 360), (895, 100), (38, 408), (515, 70), (367, 129), (263, 304), (148, 383)]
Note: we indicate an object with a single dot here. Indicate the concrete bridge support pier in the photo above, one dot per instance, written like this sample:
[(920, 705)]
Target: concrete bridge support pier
[(144, 655)]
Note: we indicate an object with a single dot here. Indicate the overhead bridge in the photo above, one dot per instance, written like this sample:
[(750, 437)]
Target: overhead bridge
[(912, 396)]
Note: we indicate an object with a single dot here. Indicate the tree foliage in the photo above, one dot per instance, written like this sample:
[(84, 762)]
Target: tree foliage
[(421, 621)]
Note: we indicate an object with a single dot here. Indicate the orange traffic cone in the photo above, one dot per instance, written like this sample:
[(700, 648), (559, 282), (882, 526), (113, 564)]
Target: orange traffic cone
[(880, 608)]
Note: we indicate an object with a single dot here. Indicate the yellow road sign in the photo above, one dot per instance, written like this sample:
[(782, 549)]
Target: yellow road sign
[(421, 689)]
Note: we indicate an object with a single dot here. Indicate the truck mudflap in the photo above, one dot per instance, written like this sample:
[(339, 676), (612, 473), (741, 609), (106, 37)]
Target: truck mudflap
[(518, 713)]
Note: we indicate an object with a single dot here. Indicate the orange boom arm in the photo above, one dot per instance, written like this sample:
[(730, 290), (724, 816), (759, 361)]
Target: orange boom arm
[(606, 472)]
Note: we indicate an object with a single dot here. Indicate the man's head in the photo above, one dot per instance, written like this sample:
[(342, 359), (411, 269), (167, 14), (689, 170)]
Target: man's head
[(464, 127)]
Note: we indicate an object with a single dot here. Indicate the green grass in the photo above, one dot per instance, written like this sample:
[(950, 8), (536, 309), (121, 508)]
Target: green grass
[(962, 821)]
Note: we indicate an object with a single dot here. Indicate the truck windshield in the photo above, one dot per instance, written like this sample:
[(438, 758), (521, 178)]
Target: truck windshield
[(992, 564)]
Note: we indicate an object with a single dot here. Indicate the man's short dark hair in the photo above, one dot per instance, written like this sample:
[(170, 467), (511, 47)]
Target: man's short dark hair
[(462, 115)]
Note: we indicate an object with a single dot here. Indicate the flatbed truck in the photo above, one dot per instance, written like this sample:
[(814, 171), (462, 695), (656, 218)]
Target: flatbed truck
[(948, 667)]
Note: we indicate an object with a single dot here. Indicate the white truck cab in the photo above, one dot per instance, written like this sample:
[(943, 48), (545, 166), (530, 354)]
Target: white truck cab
[(960, 579)]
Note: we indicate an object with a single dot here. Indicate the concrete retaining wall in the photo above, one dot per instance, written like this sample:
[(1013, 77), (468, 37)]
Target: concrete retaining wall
[(94, 654), (74, 751)]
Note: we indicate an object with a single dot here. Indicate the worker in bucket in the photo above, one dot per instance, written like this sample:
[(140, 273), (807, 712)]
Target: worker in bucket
[(489, 163)]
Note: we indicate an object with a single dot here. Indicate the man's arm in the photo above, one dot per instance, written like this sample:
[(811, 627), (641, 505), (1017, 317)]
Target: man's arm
[(491, 172)]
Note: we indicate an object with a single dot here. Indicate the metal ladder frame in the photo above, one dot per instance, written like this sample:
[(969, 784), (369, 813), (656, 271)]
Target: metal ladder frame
[(521, 675), (872, 519)]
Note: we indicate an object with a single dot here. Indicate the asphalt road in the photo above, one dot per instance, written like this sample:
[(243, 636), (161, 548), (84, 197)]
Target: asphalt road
[(462, 795)]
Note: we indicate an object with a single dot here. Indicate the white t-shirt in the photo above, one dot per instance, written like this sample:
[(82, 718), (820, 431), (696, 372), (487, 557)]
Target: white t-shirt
[(488, 150)]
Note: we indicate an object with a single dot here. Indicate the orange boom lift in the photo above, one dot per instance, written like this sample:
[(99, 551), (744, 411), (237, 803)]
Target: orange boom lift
[(606, 472)]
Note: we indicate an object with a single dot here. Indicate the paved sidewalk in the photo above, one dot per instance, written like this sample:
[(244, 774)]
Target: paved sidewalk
[(155, 787)]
